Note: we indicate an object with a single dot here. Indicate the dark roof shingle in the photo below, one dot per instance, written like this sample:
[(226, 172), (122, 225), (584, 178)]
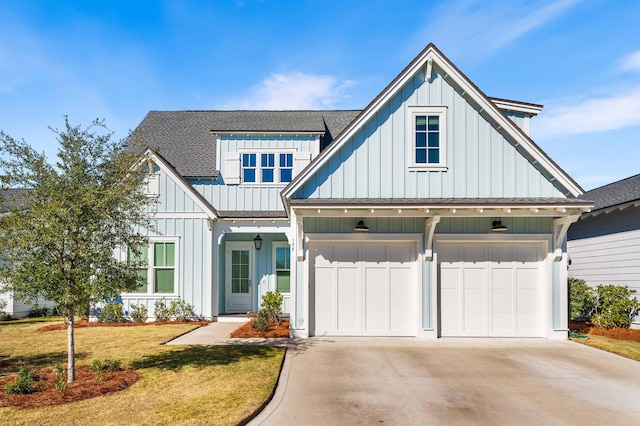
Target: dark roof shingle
[(613, 194)]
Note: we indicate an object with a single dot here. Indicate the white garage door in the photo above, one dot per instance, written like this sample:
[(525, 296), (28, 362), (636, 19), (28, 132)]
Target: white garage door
[(363, 289), (491, 290)]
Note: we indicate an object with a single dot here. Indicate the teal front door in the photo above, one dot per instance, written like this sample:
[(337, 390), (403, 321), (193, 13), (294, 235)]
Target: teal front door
[(239, 273)]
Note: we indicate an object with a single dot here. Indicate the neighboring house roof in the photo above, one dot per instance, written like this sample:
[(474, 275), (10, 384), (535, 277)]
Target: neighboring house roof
[(186, 139), (12, 198), (613, 194), (433, 58)]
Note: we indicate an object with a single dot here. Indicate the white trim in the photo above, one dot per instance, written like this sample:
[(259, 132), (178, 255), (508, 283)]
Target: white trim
[(277, 168), (412, 112), (515, 106), (181, 183), (241, 245), (150, 268), (180, 215)]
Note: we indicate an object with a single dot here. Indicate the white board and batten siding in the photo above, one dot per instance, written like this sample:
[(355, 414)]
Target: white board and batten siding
[(481, 161)]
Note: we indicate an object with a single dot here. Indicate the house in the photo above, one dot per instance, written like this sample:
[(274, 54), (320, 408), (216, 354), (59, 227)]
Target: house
[(429, 213), (10, 198), (604, 244)]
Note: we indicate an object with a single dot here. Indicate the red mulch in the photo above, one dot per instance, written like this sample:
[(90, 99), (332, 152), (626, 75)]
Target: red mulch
[(84, 323), (85, 386), (247, 331), (613, 333)]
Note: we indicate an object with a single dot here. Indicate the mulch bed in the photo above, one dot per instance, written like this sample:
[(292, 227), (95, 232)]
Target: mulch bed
[(85, 386), (84, 323), (247, 331), (613, 333)]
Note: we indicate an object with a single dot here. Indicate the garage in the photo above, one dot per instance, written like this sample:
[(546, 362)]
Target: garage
[(491, 289), (364, 288)]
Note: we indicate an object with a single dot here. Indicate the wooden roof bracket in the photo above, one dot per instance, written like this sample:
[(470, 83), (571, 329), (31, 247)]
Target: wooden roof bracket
[(429, 229), (560, 228)]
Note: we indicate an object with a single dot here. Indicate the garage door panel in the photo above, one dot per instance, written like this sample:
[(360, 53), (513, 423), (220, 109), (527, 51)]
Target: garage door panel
[(348, 299), (401, 301), (325, 298), (375, 298)]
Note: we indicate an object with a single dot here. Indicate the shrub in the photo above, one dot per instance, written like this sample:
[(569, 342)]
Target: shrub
[(613, 306), (181, 310), (37, 311), (139, 313), (26, 383), (4, 316), (60, 380), (96, 367), (111, 313), (272, 306), (260, 322), (580, 305), (160, 310)]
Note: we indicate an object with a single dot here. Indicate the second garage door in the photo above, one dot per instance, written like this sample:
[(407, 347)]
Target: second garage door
[(491, 289), (363, 289)]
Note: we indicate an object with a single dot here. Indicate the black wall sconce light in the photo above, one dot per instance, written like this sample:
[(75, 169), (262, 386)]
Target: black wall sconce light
[(498, 226), (361, 227), (257, 242)]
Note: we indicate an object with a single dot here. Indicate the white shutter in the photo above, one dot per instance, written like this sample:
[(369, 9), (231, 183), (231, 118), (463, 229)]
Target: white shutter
[(231, 171), (300, 161), (152, 184)]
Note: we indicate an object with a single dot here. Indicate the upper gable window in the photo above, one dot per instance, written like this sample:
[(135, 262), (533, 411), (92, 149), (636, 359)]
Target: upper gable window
[(267, 167), (427, 133)]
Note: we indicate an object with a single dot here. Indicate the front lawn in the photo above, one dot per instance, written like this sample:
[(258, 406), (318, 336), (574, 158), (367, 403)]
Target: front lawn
[(624, 342), (178, 384)]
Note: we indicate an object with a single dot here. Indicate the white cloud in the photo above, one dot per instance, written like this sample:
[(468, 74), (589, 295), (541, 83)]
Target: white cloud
[(295, 90), (631, 62), (590, 116), (469, 28)]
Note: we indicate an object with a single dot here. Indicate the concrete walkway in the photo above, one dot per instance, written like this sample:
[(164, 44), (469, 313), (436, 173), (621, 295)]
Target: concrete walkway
[(217, 333), (406, 381)]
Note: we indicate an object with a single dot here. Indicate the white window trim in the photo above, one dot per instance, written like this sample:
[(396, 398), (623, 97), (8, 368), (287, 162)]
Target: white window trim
[(274, 285), (150, 269), (411, 140), (276, 168)]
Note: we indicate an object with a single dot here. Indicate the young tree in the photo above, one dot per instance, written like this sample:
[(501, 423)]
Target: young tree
[(59, 240)]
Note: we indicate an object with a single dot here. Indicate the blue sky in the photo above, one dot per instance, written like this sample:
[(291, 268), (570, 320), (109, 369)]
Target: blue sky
[(117, 60)]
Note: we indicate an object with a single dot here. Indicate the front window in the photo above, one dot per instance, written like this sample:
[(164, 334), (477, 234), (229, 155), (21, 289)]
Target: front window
[(160, 274), (427, 132), (267, 167), (282, 269)]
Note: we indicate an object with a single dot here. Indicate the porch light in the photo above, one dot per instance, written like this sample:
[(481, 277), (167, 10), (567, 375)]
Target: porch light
[(498, 226), (361, 227), (257, 241)]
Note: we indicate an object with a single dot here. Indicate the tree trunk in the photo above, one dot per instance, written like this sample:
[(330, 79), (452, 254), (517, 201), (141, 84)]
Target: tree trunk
[(71, 359)]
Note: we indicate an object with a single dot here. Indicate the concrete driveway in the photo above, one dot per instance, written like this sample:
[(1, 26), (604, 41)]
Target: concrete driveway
[(452, 381)]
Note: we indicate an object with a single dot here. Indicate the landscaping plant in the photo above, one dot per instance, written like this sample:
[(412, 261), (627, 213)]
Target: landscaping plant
[(139, 313), (180, 310), (60, 236), (111, 313), (61, 383), (25, 383), (160, 310), (579, 301), (614, 306), (270, 310)]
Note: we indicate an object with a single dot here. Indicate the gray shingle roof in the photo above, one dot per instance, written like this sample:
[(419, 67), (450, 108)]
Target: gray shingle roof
[(613, 194), (186, 139)]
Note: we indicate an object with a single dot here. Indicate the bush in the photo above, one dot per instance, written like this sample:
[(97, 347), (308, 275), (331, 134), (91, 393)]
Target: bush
[(180, 310), (580, 305), (261, 322), (272, 306), (139, 313), (613, 306), (4, 316), (26, 383), (111, 313), (37, 311), (60, 380), (107, 365), (160, 310)]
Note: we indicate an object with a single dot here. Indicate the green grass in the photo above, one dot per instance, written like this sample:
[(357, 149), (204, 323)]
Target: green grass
[(179, 384), (625, 348)]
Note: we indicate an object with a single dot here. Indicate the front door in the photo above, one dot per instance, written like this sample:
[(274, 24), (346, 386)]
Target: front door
[(239, 273)]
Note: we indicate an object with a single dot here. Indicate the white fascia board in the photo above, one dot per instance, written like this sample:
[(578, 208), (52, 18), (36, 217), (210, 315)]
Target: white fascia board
[(268, 133), (515, 106), (467, 88), (182, 184)]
